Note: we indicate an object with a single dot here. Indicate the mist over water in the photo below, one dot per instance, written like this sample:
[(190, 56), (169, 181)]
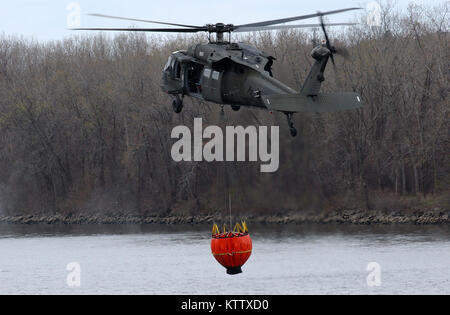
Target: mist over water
[(303, 259)]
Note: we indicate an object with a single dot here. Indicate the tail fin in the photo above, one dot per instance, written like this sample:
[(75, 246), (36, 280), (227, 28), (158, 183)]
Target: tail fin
[(313, 82)]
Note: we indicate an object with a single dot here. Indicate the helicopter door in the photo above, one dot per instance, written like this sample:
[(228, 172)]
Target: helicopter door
[(194, 75), (177, 70), (212, 85)]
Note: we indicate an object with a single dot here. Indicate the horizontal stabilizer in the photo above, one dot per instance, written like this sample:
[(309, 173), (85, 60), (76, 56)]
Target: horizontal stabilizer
[(322, 103)]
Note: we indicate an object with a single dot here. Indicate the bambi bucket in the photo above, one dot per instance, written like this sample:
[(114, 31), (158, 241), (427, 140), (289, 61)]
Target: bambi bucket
[(231, 249)]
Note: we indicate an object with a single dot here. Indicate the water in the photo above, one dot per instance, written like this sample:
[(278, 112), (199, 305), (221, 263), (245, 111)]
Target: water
[(300, 259)]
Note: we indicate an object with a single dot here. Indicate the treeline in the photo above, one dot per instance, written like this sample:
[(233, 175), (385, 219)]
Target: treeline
[(84, 125)]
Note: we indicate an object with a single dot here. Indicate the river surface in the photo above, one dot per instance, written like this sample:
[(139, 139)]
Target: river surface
[(298, 259)]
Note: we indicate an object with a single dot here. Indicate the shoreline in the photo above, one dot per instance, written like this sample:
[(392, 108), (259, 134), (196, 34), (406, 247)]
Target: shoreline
[(356, 217)]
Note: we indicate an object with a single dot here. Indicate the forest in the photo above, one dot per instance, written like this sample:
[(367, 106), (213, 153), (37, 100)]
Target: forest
[(85, 127)]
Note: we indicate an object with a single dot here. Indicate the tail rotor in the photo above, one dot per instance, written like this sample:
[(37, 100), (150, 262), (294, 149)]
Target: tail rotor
[(342, 51)]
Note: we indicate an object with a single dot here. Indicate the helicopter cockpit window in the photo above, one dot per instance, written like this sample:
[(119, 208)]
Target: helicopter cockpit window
[(168, 64)]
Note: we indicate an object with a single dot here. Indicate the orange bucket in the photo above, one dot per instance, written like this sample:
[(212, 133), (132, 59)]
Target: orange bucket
[(232, 249)]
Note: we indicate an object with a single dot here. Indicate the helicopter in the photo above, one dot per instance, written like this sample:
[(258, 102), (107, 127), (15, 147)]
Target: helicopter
[(239, 75)]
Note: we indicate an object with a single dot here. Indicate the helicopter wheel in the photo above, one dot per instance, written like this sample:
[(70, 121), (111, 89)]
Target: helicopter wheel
[(235, 108), (177, 105)]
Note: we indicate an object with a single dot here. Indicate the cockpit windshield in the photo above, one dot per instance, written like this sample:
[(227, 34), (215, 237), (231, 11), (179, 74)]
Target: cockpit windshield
[(169, 63)]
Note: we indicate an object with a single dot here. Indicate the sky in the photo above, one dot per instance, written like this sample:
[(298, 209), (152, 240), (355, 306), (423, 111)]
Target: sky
[(46, 20)]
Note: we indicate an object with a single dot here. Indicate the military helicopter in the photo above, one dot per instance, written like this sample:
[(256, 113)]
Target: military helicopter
[(238, 74)]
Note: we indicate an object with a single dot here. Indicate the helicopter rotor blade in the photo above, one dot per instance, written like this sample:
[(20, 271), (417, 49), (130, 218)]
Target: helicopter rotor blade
[(327, 39), (218, 28), (295, 18), (156, 30), (341, 51), (324, 30), (283, 27), (333, 50), (140, 20)]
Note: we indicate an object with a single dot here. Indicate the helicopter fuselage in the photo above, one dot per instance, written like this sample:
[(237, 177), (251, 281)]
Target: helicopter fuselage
[(223, 73), (240, 75)]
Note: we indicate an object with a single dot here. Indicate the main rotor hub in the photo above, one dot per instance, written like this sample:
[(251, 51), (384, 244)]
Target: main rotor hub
[(219, 28)]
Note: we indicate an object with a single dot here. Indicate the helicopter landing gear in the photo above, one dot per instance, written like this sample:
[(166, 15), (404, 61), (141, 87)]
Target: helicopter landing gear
[(177, 104), (291, 125), (235, 107)]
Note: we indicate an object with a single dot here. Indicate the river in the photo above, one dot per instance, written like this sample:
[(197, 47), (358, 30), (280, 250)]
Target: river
[(153, 259)]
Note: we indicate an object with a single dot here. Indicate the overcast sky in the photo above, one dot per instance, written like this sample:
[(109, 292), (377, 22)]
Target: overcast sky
[(48, 19)]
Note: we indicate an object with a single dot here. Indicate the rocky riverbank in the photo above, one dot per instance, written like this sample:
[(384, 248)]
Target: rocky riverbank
[(437, 216)]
